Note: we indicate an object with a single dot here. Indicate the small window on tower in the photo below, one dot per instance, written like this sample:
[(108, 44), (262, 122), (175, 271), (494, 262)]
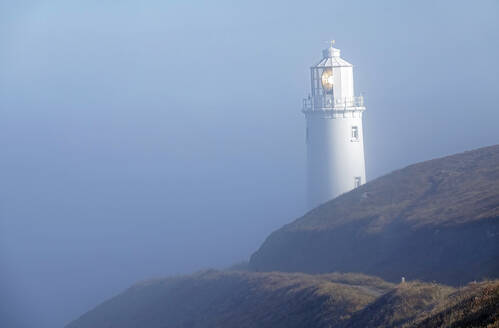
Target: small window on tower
[(355, 133), (357, 182)]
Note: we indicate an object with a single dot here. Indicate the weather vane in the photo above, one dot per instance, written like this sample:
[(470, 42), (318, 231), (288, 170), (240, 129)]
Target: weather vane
[(331, 42)]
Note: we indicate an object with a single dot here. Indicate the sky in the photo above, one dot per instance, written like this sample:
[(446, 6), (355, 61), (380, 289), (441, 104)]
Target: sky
[(152, 138)]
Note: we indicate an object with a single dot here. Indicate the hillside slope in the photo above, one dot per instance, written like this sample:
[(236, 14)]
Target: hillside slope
[(258, 300), (403, 304), (477, 305), (429, 305), (237, 299), (436, 220)]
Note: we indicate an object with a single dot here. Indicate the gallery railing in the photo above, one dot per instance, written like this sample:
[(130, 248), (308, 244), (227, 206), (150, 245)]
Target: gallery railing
[(330, 103)]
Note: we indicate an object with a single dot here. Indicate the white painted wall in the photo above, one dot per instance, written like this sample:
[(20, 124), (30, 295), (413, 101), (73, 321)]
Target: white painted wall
[(334, 158)]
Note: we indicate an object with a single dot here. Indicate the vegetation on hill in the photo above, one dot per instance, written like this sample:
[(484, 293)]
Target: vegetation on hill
[(401, 305), (436, 220), (477, 305), (433, 221), (227, 299), (237, 299), (429, 305)]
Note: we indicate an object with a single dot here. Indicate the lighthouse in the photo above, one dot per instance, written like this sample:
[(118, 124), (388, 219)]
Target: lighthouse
[(334, 134)]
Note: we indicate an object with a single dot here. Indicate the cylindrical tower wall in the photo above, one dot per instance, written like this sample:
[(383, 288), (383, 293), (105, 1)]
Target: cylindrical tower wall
[(335, 148), (335, 154)]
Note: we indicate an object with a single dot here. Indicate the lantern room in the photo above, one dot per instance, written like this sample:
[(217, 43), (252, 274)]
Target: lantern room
[(332, 83)]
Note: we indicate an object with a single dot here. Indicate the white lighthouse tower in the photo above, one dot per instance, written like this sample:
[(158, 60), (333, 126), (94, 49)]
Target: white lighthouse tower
[(334, 136)]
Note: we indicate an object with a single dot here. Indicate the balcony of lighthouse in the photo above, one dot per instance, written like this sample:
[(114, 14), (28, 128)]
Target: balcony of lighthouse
[(322, 103)]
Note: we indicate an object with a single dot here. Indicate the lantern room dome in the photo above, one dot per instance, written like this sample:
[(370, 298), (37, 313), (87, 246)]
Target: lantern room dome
[(331, 58)]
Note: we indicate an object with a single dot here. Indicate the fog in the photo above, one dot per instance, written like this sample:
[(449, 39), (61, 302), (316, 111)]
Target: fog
[(152, 138)]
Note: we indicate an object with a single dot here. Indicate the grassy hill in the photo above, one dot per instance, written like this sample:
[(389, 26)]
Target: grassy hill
[(436, 220), (474, 306), (249, 299), (432, 221), (404, 303), (426, 305), (237, 299)]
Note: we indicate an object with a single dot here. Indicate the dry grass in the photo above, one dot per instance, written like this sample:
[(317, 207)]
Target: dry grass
[(476, 305), (434, 221), (238, 299), (445, 191), (226, 299)]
